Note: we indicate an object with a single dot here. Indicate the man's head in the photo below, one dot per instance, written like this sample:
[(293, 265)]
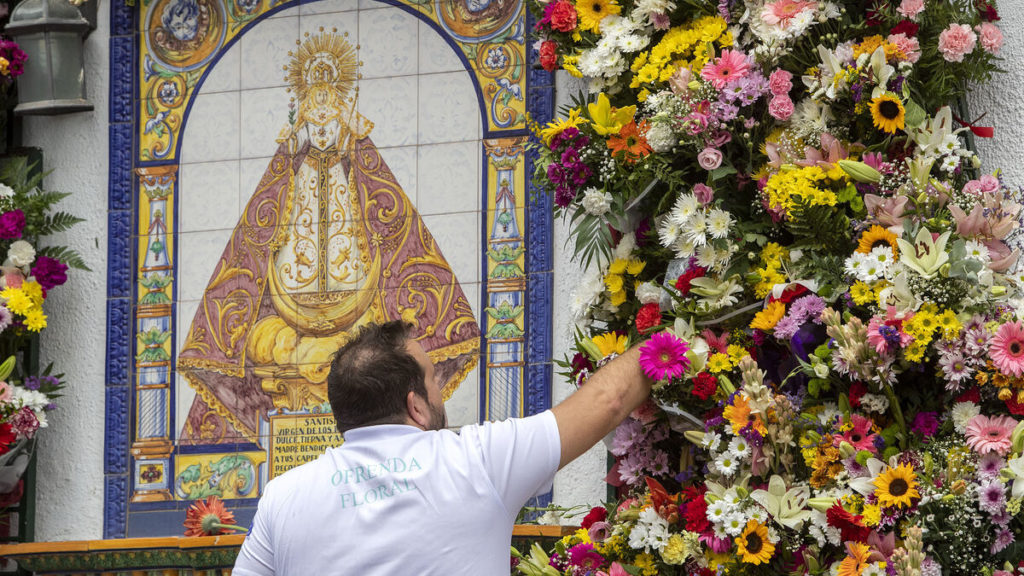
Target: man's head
[(384, 377)]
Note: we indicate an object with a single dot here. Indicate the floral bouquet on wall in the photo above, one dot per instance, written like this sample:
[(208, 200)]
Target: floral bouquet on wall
[(780, 199)]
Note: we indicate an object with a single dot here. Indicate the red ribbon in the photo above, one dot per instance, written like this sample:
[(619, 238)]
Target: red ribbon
[(979, 131)]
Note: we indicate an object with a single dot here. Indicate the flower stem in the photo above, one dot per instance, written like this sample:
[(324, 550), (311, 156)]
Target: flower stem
[(219, 526), (897, 412)]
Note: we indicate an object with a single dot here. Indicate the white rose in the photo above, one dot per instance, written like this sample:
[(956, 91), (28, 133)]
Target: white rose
[(21, 253), (596, 202)]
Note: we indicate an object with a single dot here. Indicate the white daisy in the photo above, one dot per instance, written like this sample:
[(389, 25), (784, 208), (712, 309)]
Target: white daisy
[(739, 447), (719, 223), (727, 464), (977, 251), (716, 512), (734, 524), (711, 441)]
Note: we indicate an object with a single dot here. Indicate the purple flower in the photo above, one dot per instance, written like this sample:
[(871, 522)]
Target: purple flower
[(990, 464), (49, 272), (11, 224), (1004, 538), (925, 424), (807, 308), (786, 328), (31, 382), (992, 497)]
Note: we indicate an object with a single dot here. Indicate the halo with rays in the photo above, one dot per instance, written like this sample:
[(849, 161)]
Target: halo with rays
[(325, 59)]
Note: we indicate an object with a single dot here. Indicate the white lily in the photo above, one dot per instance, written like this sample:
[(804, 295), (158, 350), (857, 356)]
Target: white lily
[(865, 485), (1015, 471), (787, 507), (926, 255), (882, 72)]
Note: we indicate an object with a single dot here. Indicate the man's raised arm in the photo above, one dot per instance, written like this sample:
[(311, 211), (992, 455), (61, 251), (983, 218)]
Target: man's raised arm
[(600, 404)]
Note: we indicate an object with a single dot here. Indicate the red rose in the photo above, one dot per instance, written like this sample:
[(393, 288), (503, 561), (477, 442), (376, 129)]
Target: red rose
[(972, 395), (596, 514), (563, 16), (704, 385), (648, 317), (857, 391), (908, 27), (684, 280), (792, 292), (1015, 408), (549, 55), (850, 526)]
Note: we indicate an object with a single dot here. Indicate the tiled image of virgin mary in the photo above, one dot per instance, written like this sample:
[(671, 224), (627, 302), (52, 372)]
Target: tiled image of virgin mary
[(327, 243)]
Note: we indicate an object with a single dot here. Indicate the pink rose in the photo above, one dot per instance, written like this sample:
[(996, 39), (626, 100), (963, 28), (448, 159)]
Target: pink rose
[(989, 184), (909, 45), (709, 159), (910, 8), (721, 138), (991, 37), (956, 42), (703, 193), (780, 82), (972, 188), (781, 108)]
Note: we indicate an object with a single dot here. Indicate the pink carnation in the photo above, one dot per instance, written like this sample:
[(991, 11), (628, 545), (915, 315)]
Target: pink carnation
[(990, 434), (991, 37), (780, 82), (956, 42), (781, 108), (25, 423), (909, 45), (911, 8)]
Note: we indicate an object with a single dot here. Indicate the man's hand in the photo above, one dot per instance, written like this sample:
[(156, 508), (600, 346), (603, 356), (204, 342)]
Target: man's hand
[(600, 404)]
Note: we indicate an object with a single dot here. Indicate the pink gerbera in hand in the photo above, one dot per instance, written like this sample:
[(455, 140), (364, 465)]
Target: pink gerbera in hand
[(860, 437), (782, 12), (987, 434), (731, 65), (1007, 349), (664, 356)]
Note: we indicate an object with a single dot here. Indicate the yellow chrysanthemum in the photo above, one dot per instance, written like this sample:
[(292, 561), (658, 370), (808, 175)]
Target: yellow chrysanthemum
[(591, 12), (811, 185), (618, 266), (35, 320), (718, 362), (610, 343), (635, 267), (949, 324), (569, 65), (861, 293), (618, 298), (736, 353), (33, 290), (645, 562), (872, 515), (17, 301), (897, 486), (614, 282), (767, 319), (922, 325), (753, 545), (557, 126), (888, 113), (914, 352)]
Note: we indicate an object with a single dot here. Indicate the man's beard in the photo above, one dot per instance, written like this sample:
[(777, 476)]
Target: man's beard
[(438, 418)]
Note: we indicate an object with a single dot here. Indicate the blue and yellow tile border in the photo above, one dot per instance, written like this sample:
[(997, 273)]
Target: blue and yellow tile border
[(150, 97)]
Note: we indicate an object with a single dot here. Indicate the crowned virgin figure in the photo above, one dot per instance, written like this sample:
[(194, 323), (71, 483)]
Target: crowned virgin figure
[(327, 243)]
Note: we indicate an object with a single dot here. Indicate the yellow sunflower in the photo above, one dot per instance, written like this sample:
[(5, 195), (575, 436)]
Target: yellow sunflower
[(887, 113), (897, 486), (591, 12), (753, 544), (609, 343), (877, 236)]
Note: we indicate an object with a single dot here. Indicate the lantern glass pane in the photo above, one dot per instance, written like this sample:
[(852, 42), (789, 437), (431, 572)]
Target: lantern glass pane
[(34, 85), (68, 72)]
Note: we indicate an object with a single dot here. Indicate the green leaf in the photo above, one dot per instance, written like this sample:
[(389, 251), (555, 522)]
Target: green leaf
[(66, 255), (722, 171)]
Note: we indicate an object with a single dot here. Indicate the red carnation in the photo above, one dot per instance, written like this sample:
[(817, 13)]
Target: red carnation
[(596, 514), (850, 525), (648, 317), (1015, 408), (987, 11), (696, 514), (684, 280), (971, 395), (704, 385), (549, 55), (857, 391), (7, 437), (908, 27), (563, 16)]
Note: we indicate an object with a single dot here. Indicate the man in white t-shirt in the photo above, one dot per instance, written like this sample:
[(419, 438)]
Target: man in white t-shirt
[(404, 496)]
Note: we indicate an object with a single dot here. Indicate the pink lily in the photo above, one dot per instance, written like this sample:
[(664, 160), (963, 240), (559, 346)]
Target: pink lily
[(887, 211)]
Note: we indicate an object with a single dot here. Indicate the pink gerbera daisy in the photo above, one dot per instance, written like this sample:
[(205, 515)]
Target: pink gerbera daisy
[(1007, 348), (990, 433), (584, 556), (731, 65), (782, 12), (860, 437), (664, 356)]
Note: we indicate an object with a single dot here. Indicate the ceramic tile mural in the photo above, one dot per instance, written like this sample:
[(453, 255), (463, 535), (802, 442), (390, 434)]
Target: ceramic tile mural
[(299, 169)]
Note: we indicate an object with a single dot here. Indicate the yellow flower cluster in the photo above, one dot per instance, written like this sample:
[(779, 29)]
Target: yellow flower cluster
[(614, 546), (671, 52), (555, 127), (925, 323), (821, 457), (872, 43), (864, 294), (27, 301), (615, 279), (719, 362), (681, 547), (645, 562), (811, 184), (773, 257)]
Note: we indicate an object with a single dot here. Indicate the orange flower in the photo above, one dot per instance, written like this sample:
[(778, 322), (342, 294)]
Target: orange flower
[(631, 142), (857, 560), (209, 518), (739, 415)]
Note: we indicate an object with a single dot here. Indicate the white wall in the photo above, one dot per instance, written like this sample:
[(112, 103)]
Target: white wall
[(70, 471)]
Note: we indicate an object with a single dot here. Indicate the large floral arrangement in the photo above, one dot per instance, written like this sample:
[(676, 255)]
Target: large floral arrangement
[(781, 199)]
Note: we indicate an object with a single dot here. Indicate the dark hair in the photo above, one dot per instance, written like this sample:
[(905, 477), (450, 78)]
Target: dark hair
[(372, 375)]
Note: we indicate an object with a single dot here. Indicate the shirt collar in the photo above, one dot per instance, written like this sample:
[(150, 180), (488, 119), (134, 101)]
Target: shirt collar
[(380, 431)]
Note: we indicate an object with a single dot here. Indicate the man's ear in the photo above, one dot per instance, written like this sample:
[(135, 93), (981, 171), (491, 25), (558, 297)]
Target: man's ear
[(418, 409)]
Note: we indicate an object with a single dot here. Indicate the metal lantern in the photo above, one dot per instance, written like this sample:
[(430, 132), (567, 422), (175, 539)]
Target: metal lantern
[(50, 32)]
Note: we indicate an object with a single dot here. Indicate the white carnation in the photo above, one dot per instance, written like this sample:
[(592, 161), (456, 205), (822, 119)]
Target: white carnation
[(596, 202), (34, 399), (661, 138), (649, 292), (21, 253), (962, 413)]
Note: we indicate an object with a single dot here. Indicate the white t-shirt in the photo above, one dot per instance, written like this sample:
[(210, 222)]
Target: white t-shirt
[(395, 500)]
